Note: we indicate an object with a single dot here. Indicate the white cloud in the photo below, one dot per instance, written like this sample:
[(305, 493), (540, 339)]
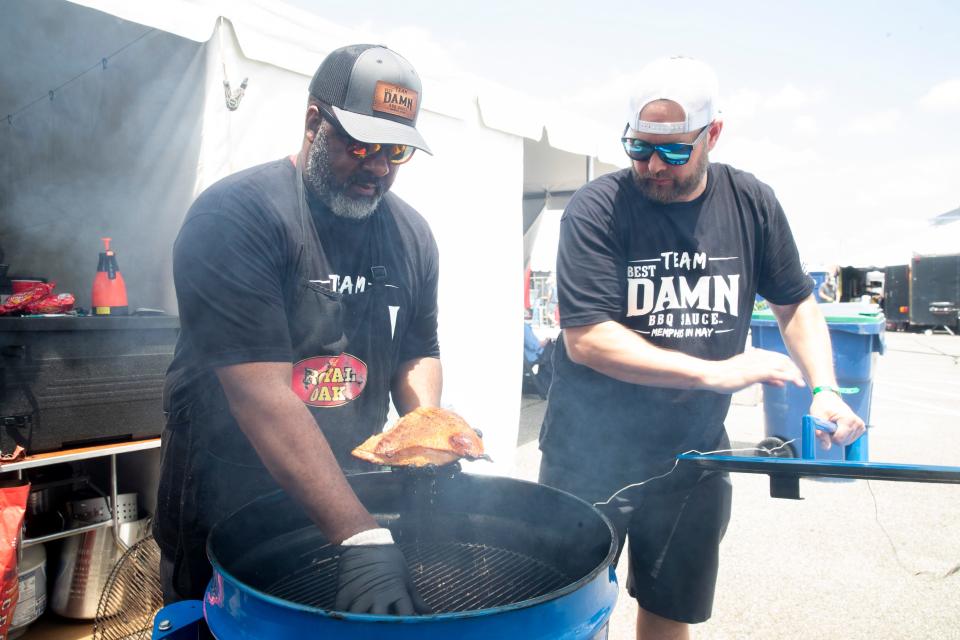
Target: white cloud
[(744, 103), (763, 154), (906, 190), (860, 209), (752, 103), (607, 102), (424, 52), (806, 125), (943, 97), (789, 98), (880, 122)]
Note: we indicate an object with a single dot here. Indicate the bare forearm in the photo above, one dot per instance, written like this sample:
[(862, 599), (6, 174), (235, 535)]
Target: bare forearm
[(617, 352), (293, 449), (807, 338), (417, 383)]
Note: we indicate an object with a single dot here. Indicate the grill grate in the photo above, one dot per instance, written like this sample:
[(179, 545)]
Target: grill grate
[(449, 576)]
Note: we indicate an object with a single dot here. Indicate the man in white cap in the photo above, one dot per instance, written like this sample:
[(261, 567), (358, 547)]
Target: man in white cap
[(658, 268), (308, 299)]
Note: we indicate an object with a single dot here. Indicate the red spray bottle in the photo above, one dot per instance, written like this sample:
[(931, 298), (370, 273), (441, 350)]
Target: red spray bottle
[(109, 291)]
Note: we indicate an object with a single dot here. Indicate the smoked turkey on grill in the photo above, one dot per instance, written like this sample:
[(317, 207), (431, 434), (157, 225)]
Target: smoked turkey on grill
[(426, 435)]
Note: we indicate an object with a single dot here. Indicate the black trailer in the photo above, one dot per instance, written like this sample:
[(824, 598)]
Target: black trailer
[(857, 282), (935, 292), (896, 296)]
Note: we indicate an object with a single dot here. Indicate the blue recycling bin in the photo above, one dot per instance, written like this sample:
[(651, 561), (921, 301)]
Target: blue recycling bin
[(818, 277), (857, 335)]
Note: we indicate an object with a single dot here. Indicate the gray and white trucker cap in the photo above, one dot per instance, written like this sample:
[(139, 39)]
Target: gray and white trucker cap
[(374, 92)]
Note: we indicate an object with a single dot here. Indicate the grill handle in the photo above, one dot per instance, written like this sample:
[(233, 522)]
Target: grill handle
[(856, 451)]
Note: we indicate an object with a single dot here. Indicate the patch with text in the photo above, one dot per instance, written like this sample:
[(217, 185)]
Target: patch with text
[(329, 381)]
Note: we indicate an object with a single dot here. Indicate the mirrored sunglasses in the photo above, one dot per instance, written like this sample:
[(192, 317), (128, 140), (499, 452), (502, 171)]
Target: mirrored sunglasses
[(395, 153), (674, 153)]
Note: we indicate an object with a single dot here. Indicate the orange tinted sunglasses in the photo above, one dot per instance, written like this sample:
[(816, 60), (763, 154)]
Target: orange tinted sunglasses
[(396, 153)]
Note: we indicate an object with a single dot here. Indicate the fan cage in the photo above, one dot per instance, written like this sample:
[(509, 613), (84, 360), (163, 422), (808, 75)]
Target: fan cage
[(132, 595)]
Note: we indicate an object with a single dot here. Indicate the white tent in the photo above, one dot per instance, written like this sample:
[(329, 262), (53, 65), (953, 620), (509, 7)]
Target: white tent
[(116, 117)]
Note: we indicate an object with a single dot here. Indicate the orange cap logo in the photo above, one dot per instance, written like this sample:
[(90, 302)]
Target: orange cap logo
[(396, 100)]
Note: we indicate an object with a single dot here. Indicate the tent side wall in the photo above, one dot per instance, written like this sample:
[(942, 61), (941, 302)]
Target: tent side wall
[(113, 153), (473, 202), (122, 151)]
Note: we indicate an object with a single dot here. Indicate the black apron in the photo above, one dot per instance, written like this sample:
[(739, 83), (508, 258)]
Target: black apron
[(344, 357)]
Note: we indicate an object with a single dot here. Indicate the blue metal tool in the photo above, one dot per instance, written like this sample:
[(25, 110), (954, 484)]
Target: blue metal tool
[(785, 473), (856, 451)]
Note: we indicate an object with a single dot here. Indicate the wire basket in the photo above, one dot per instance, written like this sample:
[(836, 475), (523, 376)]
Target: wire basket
[(132, 595)]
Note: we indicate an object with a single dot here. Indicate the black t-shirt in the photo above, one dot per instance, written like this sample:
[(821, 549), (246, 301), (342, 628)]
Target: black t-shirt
[(683, 276), (235, 266)]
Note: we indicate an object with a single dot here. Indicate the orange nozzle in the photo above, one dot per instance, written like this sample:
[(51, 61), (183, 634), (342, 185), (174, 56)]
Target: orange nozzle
[(106, 244)]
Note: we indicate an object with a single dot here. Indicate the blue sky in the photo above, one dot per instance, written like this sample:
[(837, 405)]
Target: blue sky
[(848, 110)]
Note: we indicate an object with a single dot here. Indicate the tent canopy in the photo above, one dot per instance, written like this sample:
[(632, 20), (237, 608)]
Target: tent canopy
[(296, 40)]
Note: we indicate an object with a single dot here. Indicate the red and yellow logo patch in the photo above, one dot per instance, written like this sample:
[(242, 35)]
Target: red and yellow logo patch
[(329, 381)]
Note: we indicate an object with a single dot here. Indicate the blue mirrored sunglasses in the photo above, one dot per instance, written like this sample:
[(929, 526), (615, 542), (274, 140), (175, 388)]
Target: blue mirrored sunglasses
[(675, 153)]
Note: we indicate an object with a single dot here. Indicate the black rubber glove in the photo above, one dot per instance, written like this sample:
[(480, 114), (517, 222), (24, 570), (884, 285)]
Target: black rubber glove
[(375, 579)]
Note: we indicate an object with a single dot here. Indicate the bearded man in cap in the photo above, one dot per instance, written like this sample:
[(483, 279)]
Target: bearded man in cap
[(657, 270), (308, 297)]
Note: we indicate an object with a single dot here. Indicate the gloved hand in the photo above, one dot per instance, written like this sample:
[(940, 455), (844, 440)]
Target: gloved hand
[(375, 579)]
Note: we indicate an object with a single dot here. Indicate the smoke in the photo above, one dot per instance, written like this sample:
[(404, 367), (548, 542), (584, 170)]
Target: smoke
[(113, 153)]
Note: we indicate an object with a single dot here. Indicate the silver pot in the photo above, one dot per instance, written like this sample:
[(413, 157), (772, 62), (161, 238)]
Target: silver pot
[(87, 558)]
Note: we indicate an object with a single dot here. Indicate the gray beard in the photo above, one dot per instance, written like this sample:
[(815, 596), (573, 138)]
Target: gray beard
[(666, 195), (319, 177)]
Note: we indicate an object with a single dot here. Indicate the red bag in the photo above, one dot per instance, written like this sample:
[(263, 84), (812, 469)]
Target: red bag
[(60, 303), (13, 504), (18, 302)]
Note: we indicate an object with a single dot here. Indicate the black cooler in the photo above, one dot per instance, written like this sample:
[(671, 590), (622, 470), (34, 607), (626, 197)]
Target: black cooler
[(75, 381)]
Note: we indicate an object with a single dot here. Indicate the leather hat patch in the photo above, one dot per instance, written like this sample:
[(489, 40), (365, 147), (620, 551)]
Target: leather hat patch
[(329, 381), (396, 100)]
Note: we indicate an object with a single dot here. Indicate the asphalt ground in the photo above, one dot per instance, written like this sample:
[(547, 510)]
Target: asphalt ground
[(859, 559)]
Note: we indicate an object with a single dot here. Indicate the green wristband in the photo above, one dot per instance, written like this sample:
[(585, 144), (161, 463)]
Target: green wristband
[(817, 390)]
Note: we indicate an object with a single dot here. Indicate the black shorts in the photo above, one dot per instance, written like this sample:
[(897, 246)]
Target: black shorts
[(673, 526)]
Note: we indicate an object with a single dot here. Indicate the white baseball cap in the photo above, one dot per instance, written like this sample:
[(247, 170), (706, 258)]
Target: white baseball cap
[(686, 81)]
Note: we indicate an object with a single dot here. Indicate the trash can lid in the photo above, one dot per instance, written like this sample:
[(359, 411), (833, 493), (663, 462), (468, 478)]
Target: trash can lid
[(853, 317)]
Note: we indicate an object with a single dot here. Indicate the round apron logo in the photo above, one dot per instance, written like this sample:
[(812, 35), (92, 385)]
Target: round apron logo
[(329, 381)]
